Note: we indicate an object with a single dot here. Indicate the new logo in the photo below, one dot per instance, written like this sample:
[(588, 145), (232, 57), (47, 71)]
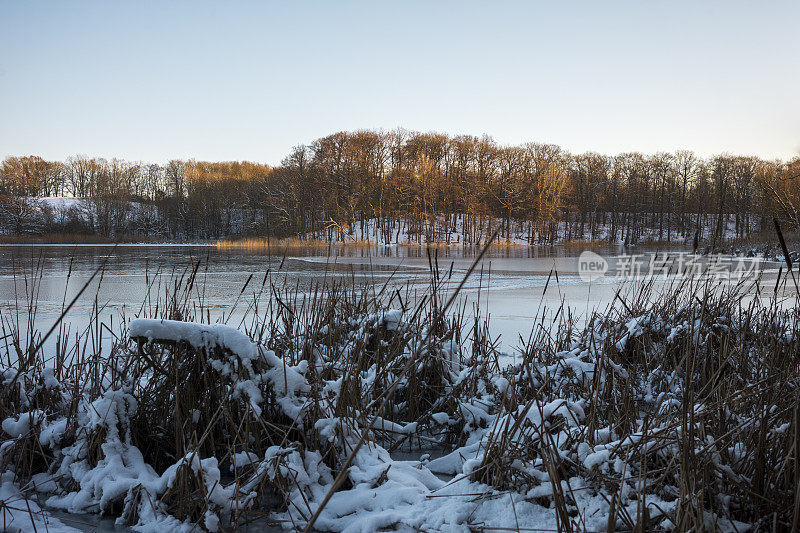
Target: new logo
[(591, 266)]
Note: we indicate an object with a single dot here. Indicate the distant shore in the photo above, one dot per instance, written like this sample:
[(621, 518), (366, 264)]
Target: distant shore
[(58, 239), (757, 243)]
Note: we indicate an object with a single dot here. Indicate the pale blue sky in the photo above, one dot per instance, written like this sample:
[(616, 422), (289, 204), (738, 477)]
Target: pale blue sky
[(239, 80)]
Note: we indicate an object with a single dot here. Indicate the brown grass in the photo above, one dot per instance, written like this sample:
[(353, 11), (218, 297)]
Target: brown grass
[(280, 246), (291, 244)]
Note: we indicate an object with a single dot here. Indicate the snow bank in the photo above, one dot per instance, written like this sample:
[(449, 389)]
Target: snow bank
[(569, 427), (20, 514)]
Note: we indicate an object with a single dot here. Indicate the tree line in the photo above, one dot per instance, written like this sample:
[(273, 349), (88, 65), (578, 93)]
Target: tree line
[(388, 186)]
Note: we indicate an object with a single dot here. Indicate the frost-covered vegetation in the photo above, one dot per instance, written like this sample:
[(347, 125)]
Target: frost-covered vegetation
[(360, 410)]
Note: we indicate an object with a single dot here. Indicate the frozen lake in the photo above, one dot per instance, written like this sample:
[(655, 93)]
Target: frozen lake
[(509, 284)]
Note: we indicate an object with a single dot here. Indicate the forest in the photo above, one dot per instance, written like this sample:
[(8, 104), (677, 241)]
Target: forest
[(379, 185)]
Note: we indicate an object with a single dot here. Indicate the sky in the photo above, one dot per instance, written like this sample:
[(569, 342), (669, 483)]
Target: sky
[(153, 81)]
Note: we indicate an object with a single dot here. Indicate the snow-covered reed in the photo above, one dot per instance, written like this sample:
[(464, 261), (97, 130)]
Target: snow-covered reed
[(674, 412)]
